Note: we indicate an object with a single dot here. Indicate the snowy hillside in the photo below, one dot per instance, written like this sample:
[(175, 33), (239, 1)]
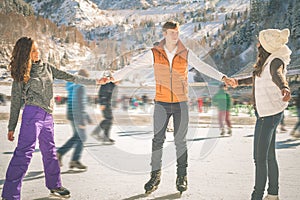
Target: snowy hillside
[(125, 25), (115, 33), (85, 14), (80, 13)]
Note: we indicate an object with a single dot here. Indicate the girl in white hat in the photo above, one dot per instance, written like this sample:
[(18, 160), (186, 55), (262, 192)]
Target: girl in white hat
[(271, 94)]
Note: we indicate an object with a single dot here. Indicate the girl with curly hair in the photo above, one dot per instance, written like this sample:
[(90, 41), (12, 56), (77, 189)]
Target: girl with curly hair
[(32, 88)]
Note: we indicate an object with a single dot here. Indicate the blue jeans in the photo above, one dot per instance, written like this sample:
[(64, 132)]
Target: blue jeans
[(77, 140), (162, 113), (264, 155)]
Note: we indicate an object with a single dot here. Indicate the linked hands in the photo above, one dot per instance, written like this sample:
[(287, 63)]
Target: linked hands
[(102, 107), (232, 82), (101, 81), (104, 80)]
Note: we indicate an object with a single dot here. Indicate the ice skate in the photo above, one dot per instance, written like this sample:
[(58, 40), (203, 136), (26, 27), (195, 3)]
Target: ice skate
[(229, 132), (153, 183), (283, 129), (108, 141), (222, 132), (96, 136), (76, 165), (61, 193), (181, 183), (297, 135), (271, 197), (59, 158), (293, 132)]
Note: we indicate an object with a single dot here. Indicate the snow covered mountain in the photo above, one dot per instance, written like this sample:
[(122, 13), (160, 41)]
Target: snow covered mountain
[(124, 4), (219, 31), (87, 15), (111, 34), (80, 13)]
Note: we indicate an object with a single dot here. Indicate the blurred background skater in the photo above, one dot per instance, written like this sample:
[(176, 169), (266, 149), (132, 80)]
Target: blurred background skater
[(104, 99), (282, 125), (78, 117), (295, 132), (145, 102), (222, 101)]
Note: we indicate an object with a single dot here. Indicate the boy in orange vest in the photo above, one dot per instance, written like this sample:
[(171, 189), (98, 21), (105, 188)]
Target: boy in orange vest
[(170, 60)]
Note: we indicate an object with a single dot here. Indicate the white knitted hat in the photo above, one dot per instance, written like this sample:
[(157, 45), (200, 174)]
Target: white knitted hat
[(273, 39)]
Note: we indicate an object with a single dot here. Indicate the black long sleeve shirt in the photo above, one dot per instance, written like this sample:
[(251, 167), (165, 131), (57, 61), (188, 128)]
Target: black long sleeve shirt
[(105, 94)]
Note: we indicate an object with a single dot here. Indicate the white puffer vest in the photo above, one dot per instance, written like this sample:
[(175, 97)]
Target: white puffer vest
[(268, 97)]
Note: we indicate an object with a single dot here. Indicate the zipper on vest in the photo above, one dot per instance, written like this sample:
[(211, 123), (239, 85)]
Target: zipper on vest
[(171, 85), (171, 69)]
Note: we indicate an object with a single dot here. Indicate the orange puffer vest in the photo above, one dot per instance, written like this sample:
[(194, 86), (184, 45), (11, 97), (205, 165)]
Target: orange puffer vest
[(171, 84)]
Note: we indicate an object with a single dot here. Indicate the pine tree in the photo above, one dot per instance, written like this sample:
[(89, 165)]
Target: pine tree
[(195, 29), (255, 12), (296, 21)]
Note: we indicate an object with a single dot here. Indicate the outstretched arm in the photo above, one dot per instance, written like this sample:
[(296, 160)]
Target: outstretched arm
[(208, 70), (204, 68), (143, 61), (63, 75)]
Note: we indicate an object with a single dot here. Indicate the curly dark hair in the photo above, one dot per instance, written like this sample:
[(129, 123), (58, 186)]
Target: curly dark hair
[(261, 59), (20, 64)]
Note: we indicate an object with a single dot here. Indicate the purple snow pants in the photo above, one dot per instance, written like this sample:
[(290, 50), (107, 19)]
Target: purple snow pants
[(36, 123)]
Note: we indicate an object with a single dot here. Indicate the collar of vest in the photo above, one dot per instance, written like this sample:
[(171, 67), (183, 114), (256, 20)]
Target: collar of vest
[(180, 47)]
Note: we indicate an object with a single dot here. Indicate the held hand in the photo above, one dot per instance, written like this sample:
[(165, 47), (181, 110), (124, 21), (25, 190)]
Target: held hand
[(102, 107), (81, 126), (230, 81), (10, 136), (101, 81), (111, 79), (235, 83), (286, 94)]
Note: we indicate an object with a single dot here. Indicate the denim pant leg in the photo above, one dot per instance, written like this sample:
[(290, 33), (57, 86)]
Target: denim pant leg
[(227, 119), (181, 120), (80, 139), (221, 117), (71, 142), (298, 122), (160, 119), (264, 155), (273, 171), (107, 122), (48, 150), (97, 129), (22, 155)]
